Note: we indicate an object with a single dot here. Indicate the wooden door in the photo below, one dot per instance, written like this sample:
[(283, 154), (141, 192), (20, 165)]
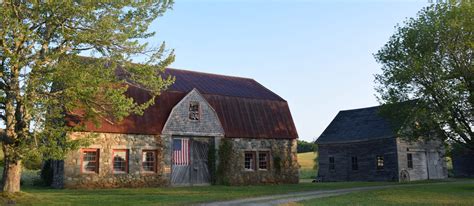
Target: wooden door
[(180, 161), (199, 172), (434, 166), (190, 161)]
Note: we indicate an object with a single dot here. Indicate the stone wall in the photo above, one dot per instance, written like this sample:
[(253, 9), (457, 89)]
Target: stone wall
[(366, 153), (428, 160), (282, 149), (178, 125), (74, 177)]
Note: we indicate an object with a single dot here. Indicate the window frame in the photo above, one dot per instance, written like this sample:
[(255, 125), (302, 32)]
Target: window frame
[(253, 164), (331, 165), (127, 162), (409, 160), (192, 111), (379, 159), (267, 160), (354, 163), (97, 160), (155, 163)]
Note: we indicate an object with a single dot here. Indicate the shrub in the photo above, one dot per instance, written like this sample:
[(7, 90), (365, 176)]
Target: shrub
[(225, 155), (211, 163), (277, 164)]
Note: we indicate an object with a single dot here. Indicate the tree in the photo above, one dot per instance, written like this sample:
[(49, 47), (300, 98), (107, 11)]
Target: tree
[(42, 78), (304, 146), (429, 63)]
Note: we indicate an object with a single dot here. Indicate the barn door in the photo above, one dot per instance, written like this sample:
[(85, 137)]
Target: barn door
[(433, 165), (181, 161), (189, 161), (420, 165), (199, 172)]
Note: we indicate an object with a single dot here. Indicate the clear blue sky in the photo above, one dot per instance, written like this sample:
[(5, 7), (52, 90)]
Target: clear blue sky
[(318, 55)]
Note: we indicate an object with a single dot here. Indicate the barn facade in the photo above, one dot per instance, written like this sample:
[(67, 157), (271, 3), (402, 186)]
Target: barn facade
[(176, 141), (361, 145)]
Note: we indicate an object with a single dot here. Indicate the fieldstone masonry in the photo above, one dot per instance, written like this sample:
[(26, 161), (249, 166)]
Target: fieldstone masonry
[(277, 148), (105, 178), (178, 125)]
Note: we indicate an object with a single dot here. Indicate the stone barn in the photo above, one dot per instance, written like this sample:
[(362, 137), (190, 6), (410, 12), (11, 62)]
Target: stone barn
[(361, 145), (176, 142)]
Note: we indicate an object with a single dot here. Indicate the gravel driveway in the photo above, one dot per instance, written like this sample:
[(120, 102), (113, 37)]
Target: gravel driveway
[(295, 197)]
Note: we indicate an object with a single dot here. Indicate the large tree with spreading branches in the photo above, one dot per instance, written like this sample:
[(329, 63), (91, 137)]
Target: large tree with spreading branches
[(428, 63), (42, 78)]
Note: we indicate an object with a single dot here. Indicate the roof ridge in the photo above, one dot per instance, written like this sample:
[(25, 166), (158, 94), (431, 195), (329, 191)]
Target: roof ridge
[(209, 73), (363, 108)]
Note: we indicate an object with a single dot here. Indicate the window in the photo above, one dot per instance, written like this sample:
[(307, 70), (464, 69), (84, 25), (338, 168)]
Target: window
[(263, 160), (120, 160), (355, 165), (332, 165), (194, 110), (379, 162), (410, 160), (249, 162), (90, 160), (149, 161)]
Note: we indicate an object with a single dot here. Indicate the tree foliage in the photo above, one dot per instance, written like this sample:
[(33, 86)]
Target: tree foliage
[(428, 63), (42, 78), (303, 146)]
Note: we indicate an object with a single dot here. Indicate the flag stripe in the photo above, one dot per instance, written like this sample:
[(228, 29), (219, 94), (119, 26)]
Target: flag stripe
[(181, 154)]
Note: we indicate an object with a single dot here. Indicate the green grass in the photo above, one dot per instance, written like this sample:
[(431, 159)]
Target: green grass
[(306, 161), (449, 193), (167, 196)]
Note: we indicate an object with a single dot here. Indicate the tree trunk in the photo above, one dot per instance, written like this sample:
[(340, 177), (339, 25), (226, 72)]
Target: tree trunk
[(11, 176)]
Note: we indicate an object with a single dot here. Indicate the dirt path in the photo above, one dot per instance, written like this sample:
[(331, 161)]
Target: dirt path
[(296, 197)]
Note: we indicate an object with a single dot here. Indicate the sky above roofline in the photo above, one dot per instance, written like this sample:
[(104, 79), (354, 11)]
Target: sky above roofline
[(318, 55)]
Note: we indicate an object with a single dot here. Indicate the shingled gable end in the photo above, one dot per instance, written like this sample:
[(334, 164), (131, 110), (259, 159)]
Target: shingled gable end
[(362, 145), (170, 143)]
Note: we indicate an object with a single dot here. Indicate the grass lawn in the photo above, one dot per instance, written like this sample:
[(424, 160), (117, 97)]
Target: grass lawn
[(166, 196), (449, 193), (306, 161)]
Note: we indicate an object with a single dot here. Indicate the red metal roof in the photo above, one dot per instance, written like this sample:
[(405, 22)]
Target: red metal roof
[(245, 108), (219, 85)]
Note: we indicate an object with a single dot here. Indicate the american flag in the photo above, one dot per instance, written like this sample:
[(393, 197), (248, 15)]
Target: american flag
[(181, 151)]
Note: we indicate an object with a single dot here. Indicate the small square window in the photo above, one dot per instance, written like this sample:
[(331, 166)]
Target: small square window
[(355, 165), (149, 161), (194, 111), (263, 160), (120, 161), (249, 161), (410, 160), (90, 160), (332, 164), (380, 162)]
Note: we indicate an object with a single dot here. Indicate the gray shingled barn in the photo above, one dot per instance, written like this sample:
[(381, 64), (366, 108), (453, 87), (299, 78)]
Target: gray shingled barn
[(361, 145)]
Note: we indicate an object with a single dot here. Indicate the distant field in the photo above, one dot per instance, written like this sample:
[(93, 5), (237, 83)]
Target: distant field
[(306, 161)]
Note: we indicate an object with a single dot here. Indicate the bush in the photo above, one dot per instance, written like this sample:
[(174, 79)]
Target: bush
[(225, 155), (277, 164), (211, 163)]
